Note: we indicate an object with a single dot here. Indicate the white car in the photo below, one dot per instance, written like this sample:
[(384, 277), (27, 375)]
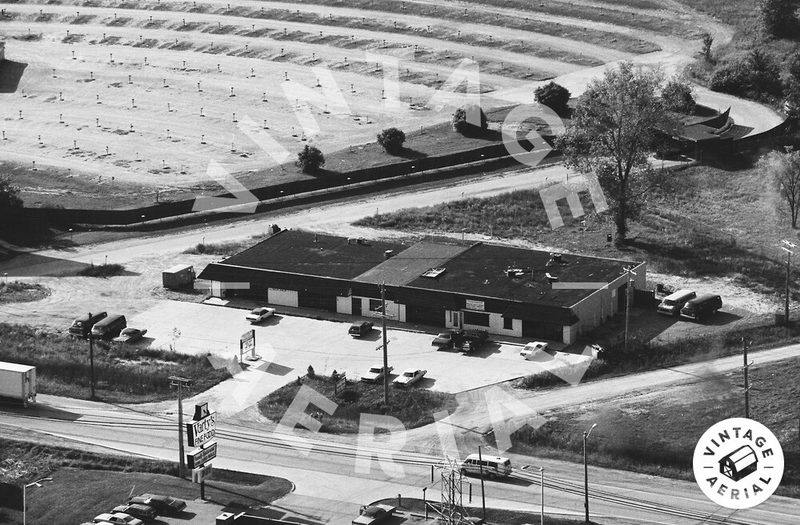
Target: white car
[(533, 351), (409, 377), (375, 374), (257, 315), (118, 518)]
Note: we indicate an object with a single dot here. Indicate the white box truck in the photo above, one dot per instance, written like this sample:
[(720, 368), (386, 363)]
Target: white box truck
[(18, 382)]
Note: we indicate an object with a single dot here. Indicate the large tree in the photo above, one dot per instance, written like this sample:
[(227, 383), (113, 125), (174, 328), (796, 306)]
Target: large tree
[(784, 169), (779, 17), (613, 131)]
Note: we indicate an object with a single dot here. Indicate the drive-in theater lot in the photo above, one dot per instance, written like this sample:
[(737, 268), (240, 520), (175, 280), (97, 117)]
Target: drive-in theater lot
[(290, 344)]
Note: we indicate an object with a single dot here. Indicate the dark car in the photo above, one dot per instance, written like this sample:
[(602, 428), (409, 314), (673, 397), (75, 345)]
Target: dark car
[(360, 329), (163, 505), (448, 339), (82, 326), (473, 340), (137, 510), (110, 327), (701, 307)]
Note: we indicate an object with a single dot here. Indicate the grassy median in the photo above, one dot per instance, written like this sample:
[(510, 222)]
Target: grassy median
[(123, 373), (414, 406), (100, 482), (22, 292)]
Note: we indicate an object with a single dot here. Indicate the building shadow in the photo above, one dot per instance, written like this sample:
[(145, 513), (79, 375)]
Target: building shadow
[(10, 75)]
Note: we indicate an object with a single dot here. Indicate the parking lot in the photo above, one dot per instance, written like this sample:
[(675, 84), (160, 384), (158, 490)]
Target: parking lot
[(289, 344)]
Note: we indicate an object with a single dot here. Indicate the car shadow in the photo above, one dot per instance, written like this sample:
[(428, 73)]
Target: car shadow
[(425, 382), (272, 320), (720, 319), (373, 335)]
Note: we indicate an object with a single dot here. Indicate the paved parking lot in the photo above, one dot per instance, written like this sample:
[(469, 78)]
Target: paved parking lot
[(289, 344)]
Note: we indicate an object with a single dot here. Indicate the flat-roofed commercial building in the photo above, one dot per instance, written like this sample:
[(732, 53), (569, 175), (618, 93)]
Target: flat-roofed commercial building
[(505, 290)]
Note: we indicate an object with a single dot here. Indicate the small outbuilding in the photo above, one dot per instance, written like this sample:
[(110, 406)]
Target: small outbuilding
[(178, 277)]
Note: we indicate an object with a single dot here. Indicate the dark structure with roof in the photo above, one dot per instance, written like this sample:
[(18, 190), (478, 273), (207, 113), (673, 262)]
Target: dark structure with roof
[(505, 290)]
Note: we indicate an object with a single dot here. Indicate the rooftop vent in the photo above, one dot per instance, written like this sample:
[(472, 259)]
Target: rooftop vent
[(550, 277), (517, 272), (433, 273), (388, 254)]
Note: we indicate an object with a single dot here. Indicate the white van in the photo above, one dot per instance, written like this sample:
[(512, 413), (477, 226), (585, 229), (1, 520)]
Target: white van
[(491, 466), (672, 304)]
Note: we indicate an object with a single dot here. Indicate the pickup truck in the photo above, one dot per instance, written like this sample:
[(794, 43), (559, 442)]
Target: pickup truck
[(462, 340)]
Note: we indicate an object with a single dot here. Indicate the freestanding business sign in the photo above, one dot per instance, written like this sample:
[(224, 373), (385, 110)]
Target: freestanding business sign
[(247, 343), (202, 474), (201, 431), (200, 456)]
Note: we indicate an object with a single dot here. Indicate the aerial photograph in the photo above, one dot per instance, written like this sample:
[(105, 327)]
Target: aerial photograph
[(383, 262)]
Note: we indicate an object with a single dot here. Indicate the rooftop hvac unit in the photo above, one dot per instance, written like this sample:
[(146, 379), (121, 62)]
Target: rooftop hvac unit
[(433, 273), (517, 272), (550, 277)]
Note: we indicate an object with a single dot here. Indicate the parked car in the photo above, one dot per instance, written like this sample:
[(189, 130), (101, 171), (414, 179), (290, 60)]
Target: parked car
[(470, 340), (130, 335), (533, 350), (446, 340), (672, 304), (257, 315), (374, 514), (360, 329), (163, 505), (137, 510), (701, 307), (82, 326), (409, 377), (117, 518), (490, 466), (109, 327), (375, 374)]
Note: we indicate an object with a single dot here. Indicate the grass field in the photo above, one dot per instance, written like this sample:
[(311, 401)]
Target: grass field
[(22, 292), (414, 407), (111, 102), (655, 433), (702, 221), (100, 482), (123, 373)]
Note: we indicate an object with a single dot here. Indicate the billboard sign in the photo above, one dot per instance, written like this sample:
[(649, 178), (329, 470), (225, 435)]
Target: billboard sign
[(200, 456)]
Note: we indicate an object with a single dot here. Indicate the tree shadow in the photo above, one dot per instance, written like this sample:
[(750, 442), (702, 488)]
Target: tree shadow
[(408, 153), (10, 74)]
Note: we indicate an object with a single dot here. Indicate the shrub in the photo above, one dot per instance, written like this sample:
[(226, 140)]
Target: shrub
[(311, 373), (310, 159), (102, 270), (469, 119), (392, 140), (754, 75), (779, 17), (677, 96), (554, 96), (708, 41)]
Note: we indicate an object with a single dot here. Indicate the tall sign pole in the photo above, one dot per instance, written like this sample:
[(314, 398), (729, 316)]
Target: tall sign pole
[(745, 345), (788, 247), (628, 291), (541, 484), (385, 353), (180, 382), (91, 359)]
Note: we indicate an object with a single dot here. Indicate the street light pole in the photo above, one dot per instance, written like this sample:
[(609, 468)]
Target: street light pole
[(745, 345), (541, 484), (385, 353), (586, 473), (629, 271), (36, 483), (788, 247), (180, 382)]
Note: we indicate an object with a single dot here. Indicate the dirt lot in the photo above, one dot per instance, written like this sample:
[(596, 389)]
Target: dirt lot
[(123, 118)]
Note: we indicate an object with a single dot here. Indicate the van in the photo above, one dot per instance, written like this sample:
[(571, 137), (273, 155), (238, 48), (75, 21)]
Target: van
[(702, 307), (672, 304), (109, 327), (83, 325), (491, 466)]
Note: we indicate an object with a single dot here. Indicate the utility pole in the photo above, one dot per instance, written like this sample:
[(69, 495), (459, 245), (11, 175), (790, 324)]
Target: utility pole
[(586, 474), (788, 247), (745, 345), (541, 484), (180, 382), (91, 358), (385, 353), (483, 491), (628, 292)]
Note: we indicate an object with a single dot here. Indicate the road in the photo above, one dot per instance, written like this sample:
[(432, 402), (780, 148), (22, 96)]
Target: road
[(328, 478)]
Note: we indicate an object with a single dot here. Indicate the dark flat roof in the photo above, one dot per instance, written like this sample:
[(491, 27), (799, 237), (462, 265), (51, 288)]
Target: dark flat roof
[(411, 263), (480, 271), (299, 251)]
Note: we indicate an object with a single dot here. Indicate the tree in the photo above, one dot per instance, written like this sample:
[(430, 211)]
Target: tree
[(9, 195), (708, 41), (793, 88), (677, 96), (554, 96), (784, 169), (754, 75), (613, 130), (779, 17), (392, 140), (469, 119), (310, 159)]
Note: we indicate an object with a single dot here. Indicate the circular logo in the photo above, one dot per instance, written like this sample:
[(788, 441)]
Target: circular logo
[(738, 463)]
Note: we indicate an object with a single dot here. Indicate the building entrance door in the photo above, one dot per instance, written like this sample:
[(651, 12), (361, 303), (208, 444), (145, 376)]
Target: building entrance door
[(458, 319), (356, 305)]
